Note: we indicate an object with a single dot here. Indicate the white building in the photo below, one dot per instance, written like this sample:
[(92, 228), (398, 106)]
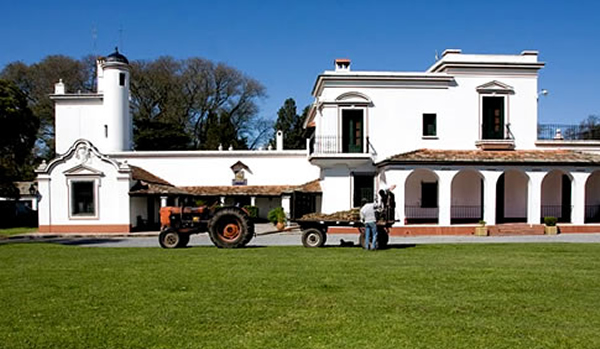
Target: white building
[(460, 142)]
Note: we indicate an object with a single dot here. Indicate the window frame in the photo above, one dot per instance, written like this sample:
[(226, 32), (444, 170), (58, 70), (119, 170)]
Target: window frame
[(95, 191), (423, 128)]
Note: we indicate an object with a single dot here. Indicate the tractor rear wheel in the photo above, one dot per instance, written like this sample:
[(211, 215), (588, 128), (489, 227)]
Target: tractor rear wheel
[(313, 237), (170, 238), (230, 228)]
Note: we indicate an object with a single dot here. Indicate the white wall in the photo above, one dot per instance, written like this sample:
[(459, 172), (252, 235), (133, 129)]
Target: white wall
[(515, 194), (79, 118), (213, 168), (139, 207), (466, 189), (113, 206), (413, 186)]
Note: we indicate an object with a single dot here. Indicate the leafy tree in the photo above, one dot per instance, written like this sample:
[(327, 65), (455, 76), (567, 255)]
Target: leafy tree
[(291, 124), (18, 129), (215, 103), (37, 82), (177, 104), (590, 128)]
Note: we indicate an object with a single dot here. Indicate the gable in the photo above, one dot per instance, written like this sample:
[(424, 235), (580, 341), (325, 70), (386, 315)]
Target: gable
[(83, 170), (495, 86)]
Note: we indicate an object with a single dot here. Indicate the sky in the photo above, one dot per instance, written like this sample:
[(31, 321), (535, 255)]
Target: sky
[(286, 44)]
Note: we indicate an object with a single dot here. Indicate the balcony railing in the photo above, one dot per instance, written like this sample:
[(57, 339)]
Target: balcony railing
[(336, 145), (568, 132)]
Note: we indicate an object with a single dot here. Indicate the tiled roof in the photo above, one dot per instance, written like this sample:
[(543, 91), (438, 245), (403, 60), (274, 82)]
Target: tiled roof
[(139, 174), (496, 157), (156, 189), (253, 190), (150, 184)]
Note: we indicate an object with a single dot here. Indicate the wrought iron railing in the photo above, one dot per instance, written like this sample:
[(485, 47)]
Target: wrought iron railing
[(466, 212), (562, 212), (568, 132), (418, 212), (336, 145), (592, 213)]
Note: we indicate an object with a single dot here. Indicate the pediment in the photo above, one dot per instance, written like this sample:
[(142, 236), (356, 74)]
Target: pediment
[(354, 97), (495, 86), (83, 170)]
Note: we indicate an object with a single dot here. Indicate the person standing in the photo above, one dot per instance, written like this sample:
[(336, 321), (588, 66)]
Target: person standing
[(367, 216)]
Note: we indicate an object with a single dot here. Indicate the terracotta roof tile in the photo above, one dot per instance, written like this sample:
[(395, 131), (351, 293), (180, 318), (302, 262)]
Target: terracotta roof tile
[(495, 157), (139, 174), (253, 190)]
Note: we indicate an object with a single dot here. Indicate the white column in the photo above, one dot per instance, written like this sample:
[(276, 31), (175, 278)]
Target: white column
[(534, 197), (286, 204), (163, 201), (222, 200), (253, 201), (490, 180), (578, 196), (445, 195)]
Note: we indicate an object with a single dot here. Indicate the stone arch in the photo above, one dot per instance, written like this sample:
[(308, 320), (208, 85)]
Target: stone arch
[(556, 195), (467, 197), (421, 197), (512, 196), (592, 198)]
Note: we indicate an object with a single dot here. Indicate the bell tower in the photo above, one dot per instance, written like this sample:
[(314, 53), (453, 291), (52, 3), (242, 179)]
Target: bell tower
[(113, 83)]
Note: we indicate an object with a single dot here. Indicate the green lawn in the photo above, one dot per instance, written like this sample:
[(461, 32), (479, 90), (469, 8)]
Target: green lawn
[(441, 296), (16, 231)]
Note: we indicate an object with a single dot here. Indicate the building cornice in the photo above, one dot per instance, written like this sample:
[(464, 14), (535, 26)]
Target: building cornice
[(77, 96), (384, 79)]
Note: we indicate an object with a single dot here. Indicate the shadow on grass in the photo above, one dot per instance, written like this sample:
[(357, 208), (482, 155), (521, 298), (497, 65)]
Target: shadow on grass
[(352, 244), (61, 241)]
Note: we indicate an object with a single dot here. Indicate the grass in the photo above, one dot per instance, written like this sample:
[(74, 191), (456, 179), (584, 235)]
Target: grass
[(435, 296), (16, 231)]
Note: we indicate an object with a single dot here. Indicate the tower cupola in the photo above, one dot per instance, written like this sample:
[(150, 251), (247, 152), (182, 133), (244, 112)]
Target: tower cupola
[(113, 83)]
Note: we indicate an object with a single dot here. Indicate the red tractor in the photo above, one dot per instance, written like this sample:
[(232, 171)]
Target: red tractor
[(228, 227)]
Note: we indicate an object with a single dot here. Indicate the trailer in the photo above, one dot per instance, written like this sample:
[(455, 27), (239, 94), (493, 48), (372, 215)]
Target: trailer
[(314, 232)]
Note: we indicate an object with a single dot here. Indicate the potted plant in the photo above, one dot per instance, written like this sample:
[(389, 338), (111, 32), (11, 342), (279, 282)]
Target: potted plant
[(277, 217), (550, 227), (481, 229)]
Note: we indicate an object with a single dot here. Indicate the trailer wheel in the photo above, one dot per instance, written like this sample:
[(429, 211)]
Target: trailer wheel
[(230, 228), (169, 239), (313, 237)]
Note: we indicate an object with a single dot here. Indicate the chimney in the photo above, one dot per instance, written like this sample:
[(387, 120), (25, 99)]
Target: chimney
[(99, 75), (279, 140), (59, 88), (342, 65)]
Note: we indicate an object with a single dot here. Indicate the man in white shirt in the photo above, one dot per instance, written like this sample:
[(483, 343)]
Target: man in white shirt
[(367, 216)]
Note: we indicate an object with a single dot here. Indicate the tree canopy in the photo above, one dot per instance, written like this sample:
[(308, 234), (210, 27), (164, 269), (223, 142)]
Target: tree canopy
[(291, 124), (18, 130), (189, 103)]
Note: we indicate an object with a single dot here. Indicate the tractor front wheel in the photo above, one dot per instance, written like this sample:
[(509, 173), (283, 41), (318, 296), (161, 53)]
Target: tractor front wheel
[(170, 238)]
